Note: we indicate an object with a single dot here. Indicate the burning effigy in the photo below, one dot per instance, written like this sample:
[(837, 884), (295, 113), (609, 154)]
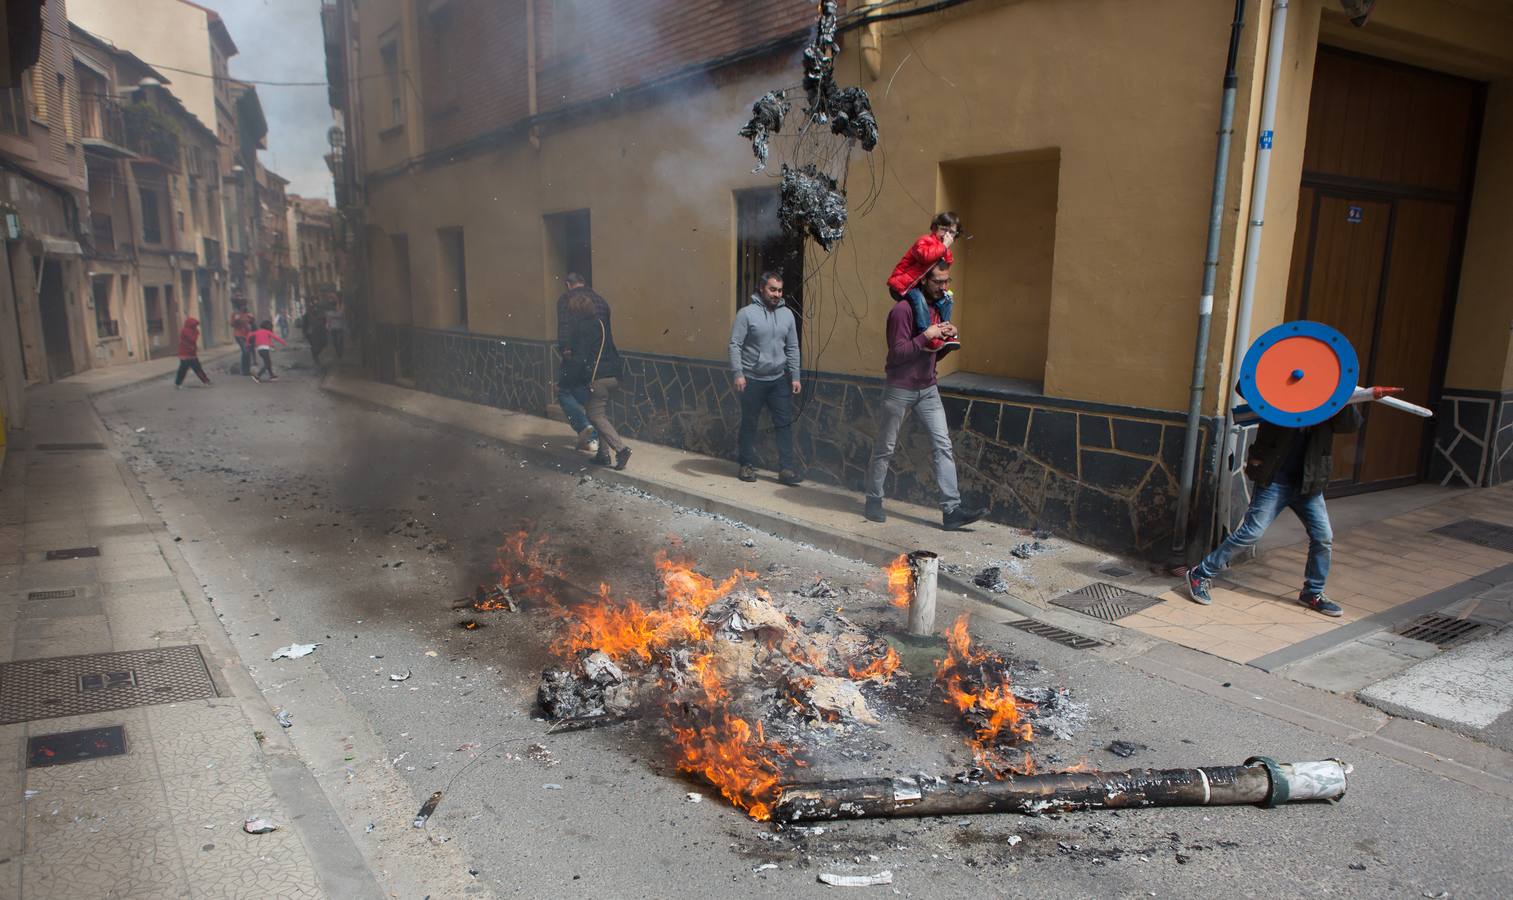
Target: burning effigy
[(742, 690)]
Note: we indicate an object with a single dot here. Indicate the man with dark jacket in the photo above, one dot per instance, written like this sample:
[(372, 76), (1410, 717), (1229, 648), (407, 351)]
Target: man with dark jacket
[(910, 385), (573, 399), (764, 359), (1289, 469)]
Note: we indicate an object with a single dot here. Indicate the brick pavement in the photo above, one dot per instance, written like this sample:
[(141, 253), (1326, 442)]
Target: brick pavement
[(165, 819)]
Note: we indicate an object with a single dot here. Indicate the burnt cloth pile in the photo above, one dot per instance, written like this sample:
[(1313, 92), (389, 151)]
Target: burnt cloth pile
[(811, 204)]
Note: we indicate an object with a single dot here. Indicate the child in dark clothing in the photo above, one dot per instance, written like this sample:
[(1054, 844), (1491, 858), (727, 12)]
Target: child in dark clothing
[(921, 257), (263, 339)]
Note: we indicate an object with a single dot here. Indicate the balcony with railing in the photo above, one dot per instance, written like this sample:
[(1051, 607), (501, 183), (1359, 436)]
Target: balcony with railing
[(103, 125)]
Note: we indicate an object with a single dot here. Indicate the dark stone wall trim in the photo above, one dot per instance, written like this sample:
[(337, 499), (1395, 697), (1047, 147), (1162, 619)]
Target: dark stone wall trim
[(1473, 439), (1099, 474)]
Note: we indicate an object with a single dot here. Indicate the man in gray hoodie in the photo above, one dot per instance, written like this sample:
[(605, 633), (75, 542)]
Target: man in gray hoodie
[(764, 358)]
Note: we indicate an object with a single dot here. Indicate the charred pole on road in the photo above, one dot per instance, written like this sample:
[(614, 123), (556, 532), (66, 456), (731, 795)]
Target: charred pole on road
[(1260, 781)]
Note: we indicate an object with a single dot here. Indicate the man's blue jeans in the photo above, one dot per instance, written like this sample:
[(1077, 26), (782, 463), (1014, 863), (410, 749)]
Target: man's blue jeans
[(777, 396), (921, 308), (571, 400), (1265, 506)]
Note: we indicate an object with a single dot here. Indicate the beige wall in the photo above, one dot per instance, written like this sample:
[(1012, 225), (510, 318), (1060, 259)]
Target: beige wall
[(162, 32), (1481, 357), (1129, 103)]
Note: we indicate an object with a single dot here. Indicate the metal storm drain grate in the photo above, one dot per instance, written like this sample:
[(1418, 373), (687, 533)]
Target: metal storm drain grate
[(75, 746), (63, 594), (1441, 631), (70, 446), (1052, 633), (73, 553), (96, 682), (1105, 601), (1113, 571), (1479, 532)]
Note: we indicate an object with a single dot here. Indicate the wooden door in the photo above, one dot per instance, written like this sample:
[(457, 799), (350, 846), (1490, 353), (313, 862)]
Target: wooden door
[(1381, 215)]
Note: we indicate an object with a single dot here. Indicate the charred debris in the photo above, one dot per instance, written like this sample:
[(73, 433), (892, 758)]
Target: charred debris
[(746, 695)]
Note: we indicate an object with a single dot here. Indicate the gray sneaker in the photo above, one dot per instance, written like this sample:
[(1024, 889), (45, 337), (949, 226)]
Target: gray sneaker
[(1321, 604), (1197, 589)]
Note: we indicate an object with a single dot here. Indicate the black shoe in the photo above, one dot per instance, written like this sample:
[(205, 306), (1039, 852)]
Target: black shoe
[(748, 473), (790, 478), (622, 456), (874, 511), (603, 458), (950, 345), (960, 516)]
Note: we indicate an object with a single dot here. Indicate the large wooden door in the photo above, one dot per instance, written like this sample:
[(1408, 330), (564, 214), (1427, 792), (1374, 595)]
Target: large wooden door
[(1381, 215)]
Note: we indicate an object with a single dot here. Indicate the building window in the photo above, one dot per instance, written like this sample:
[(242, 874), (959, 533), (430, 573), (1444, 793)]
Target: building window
[(762, 245), (154, 310), (13, 111), (390, 54), (452, 279), (105, 326), (569, 248), (1002, 275), (152, 228)]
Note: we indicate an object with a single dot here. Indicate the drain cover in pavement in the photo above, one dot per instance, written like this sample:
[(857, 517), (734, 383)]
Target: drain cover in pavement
[(1105, 601), (75, 746), (1479, 532), (70, 446), (1052, 633), (73, 553), (63, 594), (75, 685), (1441, 631)]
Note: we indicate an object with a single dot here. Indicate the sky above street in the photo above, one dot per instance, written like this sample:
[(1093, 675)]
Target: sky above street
[(280, 40)]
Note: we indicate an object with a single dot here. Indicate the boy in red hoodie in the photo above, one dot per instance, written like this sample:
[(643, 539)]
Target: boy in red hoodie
[(189, 353), (926, 252), (263, 339)]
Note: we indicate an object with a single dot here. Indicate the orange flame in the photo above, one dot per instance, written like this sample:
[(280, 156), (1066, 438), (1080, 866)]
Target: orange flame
[(880, 669), (900, 581), (522, 567), (725, 749), (994, 705)]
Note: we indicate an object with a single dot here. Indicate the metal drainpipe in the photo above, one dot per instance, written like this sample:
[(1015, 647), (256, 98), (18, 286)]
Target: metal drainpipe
[(1274, 47), (1210, 271)]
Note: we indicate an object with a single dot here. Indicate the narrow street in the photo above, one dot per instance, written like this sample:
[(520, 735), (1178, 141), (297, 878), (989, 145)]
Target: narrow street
[(308, 518)]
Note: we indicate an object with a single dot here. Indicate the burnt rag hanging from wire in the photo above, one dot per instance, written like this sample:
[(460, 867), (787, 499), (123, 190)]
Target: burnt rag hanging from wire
[(813, 202)]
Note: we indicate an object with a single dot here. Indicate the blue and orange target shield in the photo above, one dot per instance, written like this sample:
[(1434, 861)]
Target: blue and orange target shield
[(1299, 374)]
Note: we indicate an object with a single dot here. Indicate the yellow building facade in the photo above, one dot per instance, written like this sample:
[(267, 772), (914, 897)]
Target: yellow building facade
[(1077, 141)]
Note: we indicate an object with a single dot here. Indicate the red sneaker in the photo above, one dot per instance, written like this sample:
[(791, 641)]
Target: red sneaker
[(934, 345)]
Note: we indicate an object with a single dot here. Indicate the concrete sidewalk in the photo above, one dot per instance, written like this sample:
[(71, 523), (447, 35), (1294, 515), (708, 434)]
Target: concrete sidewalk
[(121, 637), (1385, 571)]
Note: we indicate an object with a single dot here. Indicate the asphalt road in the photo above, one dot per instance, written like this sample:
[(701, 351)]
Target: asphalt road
[(356, 528)]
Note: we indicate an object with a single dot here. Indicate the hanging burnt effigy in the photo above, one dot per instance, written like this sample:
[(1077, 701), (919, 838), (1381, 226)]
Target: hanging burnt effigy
[(813, 201), (812, 204), (766, 120)]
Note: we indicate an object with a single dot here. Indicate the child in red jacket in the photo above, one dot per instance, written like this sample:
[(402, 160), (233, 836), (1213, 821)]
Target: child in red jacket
[(189, 353), (263, 339), (925, 253)]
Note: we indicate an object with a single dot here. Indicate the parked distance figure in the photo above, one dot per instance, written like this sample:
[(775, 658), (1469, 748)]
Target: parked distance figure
[(263, 339), (242, 325), (764, 358), (189, 353), (573, 399), (336, 329), (281, 324), (595, 365), (315, 331), (911, 385), (1289, 468), (907, 278)]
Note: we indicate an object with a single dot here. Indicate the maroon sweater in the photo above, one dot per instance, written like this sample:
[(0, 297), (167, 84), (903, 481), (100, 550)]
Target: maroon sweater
[(909, 364)]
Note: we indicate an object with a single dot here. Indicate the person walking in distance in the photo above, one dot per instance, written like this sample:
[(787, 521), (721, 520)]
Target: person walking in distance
[(764, 359), (910, 384), (281, 324), (315, 332), (1289, 468), (572, 400), (595, 366), (189, 353), (242, 326), (336, 329), (263, 339)]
